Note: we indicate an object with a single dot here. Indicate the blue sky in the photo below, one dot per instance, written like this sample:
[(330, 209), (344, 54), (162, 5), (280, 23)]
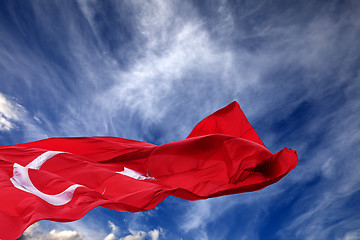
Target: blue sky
[(150, 70)]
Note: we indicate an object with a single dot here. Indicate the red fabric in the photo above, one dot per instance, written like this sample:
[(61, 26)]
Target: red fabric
[(222, 155)]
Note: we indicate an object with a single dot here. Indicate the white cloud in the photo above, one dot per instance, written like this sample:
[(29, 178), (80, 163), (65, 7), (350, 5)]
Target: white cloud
[(114, 230), (353, 235), (34, 233), (10, 113), (78, 232), (110, 236), (154, 234), (63, 235), (135, 235), (31, 230), (197, 215), (13, 116), (140, 235), (173, 48)]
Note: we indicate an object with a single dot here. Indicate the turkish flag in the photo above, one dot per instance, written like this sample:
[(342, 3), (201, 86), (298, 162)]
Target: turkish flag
[(61, 179)]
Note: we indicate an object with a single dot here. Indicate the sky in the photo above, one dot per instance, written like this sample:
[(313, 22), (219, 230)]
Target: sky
[(150, 70)]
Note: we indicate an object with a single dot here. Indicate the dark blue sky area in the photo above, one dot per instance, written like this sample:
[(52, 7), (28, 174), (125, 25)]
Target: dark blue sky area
[(150, 70)]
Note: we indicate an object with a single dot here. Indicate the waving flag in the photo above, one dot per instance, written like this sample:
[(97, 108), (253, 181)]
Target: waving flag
[(61, 179)]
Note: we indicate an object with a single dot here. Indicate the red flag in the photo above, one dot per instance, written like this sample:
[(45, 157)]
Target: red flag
[(61, 179)]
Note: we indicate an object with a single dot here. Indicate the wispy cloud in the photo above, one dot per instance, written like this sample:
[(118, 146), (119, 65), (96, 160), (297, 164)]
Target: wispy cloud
[(15, 117), (10, 113), (171, 50), (353, 235), (306, 48), (140, 235), (135, 235), (114, 230)]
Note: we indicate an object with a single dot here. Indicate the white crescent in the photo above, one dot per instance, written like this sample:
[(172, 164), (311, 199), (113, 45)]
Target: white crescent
[(22, 181)]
